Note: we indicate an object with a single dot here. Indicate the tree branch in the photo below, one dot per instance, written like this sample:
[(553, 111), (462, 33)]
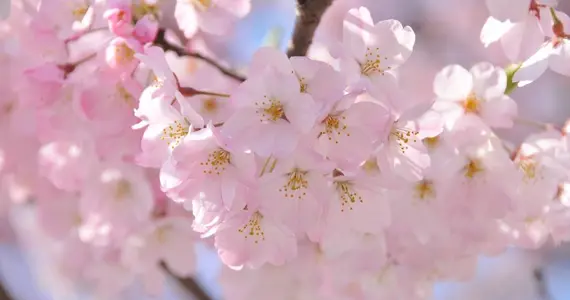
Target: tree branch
[(542, 290), (4, 295), (180, 51), (309, 13), (189, 284)]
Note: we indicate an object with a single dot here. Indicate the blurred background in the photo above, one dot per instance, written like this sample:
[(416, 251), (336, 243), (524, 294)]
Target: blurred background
[(447, 32)]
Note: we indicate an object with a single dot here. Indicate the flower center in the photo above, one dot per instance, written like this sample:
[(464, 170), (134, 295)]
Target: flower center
[(8, 107), (431, 142), (303, 85), (123, 53), (370, 166), (472, 168), (162, 233), (210, 105), (202, 4), (403, 137), (529, 167), (142, 9), (296, 184), (348, 197), (125, 96), (79, 12), (424, 189), (334, 124), (372, 63), (252, 228), (270, 110), (216, 162), (471, 104), (123, 189), (175, 132)]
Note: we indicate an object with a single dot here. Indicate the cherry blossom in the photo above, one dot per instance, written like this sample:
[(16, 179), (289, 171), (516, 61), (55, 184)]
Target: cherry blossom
[(133, 133), (479, 91)]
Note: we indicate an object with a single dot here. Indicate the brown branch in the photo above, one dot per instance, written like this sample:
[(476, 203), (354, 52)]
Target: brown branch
[(4, 295), (309, 13), (180, 51), (542, 289), (189, 284)]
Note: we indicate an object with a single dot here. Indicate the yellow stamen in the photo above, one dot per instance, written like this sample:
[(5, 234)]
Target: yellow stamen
[(217, 161), (253, 229)]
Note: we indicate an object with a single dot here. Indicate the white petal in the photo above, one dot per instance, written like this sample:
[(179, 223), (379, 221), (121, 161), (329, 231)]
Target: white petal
[(453, 83), (488, 81), (493, 30), (357, 29), (534, 67), (560, 59)]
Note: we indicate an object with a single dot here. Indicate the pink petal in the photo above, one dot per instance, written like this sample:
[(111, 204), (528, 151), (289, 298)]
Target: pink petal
[(453, 83), (488, 81)]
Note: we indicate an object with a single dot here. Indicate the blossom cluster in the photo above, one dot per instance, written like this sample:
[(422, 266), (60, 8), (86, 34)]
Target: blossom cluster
[(310, 179)]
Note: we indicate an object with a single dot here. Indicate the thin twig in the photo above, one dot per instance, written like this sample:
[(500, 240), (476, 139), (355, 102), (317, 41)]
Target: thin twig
[(190, 285), (542, 290), (180, 51), (4, 295), (309, 13)]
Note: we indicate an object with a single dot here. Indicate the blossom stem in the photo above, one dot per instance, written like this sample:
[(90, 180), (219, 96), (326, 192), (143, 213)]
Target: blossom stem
[(511, 84), (189, 92), (309, 13), (180, 51), (554, 16)]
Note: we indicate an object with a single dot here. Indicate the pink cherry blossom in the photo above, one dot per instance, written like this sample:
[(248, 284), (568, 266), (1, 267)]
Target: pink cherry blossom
[(517, 25), (271, 114), (299, 190), (118, 194), (348, 132), (552, 54), (211, 16), (169, 239), (373, 51), (120, 54), (119, 18), (479, 91), (253, 238), (203, 165)]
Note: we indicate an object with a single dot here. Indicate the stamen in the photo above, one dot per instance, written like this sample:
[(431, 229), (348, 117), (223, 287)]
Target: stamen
[(424, 189), (270, 110), (348, 197), (123, 53), (175, 133), (216, 162), (202, 4), (123, 189), (210, 105), (471, 104), (334, 127), (126, 96), (473, 168), (253, 229), (431, 142), (404, 136), (296, 184), (372, 63), (80, 11)]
